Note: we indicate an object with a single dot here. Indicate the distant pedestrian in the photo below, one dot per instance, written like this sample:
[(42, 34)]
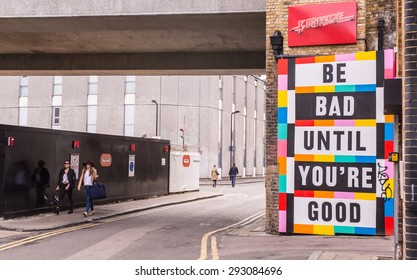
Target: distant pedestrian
[(66, 183), (214, 175), (233, 173), (87, 178)]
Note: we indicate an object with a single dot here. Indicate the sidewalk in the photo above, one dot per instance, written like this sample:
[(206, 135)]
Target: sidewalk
[(239, 180), (260, 245), (51, 221)]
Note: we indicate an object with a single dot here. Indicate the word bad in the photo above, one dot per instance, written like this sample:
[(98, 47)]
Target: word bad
[(339, 106)]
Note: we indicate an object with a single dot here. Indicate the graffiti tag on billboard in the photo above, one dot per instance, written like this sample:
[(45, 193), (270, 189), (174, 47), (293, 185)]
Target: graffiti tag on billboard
[(383, 180)]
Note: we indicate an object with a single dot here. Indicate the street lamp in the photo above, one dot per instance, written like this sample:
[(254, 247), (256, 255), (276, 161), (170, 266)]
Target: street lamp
[(232, 148), (277, 43), (156, 123), (183, 139), (381, 27)]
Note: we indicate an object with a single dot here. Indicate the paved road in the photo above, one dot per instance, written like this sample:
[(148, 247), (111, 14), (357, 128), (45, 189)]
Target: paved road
[(227, 227), (173, 232)]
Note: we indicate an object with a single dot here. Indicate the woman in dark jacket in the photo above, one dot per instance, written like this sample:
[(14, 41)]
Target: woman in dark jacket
[(66, 183)]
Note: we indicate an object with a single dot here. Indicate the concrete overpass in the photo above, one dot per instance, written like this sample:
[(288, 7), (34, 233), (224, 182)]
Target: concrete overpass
[(141, 37)]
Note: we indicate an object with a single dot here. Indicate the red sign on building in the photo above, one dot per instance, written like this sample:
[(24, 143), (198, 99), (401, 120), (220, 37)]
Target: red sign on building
[(322, 24)]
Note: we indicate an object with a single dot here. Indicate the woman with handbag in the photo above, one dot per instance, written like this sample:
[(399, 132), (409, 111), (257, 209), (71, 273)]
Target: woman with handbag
[(87, 178), (214, 175)]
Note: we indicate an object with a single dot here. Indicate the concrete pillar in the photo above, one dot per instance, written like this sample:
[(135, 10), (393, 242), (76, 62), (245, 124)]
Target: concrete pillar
[(410, 127)]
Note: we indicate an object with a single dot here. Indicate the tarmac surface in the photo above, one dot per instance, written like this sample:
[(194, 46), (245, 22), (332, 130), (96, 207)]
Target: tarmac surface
[(257, 241)]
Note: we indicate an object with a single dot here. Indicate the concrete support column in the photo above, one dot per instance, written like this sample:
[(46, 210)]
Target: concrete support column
[(410, 127)]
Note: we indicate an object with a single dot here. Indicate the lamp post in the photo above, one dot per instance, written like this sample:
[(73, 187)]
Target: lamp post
[(156, 123), (231, 148), (183, 138), (277, 43), (381, 27)]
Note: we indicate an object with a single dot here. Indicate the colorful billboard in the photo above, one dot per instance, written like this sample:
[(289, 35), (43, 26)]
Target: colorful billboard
[(333, 145), (322, 24)]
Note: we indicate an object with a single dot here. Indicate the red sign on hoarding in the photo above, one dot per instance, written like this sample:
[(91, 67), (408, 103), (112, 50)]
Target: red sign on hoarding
[(322, 24), (186, 160)]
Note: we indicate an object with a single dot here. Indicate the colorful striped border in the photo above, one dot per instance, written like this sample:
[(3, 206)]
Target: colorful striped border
[(336, 88), (332, 230), (344, 195), (286, 158), (335, 158), (335, 122)]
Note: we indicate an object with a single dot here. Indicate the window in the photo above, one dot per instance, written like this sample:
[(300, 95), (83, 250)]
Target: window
[(92, 104), (130, 94), (56, 116), (24, 86), (57, 90), (93, 85), (130, 84)]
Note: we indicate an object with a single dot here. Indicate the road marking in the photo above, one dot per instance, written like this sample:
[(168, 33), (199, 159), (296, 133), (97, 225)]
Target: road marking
[(214, 252), (315, 255), (42, 236), (45, 235), (119, 241)]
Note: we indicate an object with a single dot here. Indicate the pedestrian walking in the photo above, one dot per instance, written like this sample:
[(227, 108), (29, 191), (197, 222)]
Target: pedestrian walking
[(233, 171), (40, 179), (65, 185), (214, 175), (87, 178)]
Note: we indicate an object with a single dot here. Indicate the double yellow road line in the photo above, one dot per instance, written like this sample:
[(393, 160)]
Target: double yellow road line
[(59, 231), (42, 236), (53, 233), (213, 240)]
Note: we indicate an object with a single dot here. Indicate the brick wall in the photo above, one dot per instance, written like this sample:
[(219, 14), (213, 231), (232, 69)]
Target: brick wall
[(277, 19), (410, 127), (381, 9), (400, 23)]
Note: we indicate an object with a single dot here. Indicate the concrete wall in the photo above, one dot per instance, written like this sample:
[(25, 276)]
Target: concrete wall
[(9, 101), (110, 113), (209, 121), (26, 8), (148, 88), (190, 99), (40, 102), (74, 100)]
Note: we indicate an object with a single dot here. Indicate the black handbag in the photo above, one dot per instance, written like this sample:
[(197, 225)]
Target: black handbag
[(97, 191), (55, 198)]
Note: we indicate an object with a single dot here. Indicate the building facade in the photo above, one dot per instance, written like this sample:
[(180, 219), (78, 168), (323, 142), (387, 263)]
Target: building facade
[(397, 21), (194, 111)]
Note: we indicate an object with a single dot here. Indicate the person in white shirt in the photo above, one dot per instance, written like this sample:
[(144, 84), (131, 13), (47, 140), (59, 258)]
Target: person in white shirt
[(87, 178)]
